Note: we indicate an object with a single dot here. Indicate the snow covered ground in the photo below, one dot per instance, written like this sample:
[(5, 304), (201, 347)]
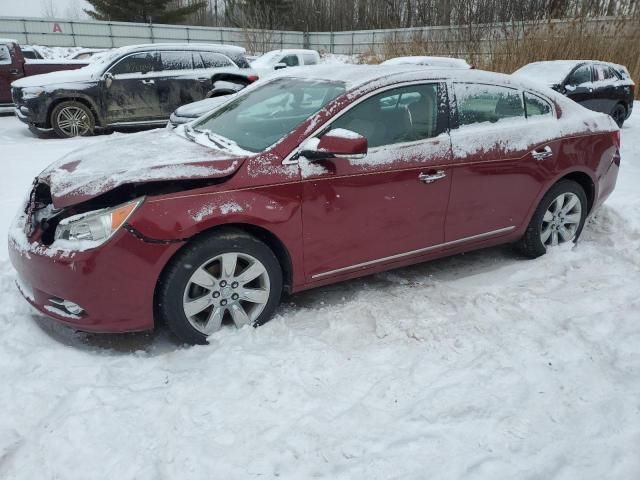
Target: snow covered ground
[(483, 365)]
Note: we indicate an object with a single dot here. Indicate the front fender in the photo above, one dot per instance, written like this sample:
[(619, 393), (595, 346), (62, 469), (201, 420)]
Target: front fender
[(275, 209)]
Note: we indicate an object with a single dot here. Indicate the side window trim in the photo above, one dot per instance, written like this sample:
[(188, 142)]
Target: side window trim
[(443, 115)]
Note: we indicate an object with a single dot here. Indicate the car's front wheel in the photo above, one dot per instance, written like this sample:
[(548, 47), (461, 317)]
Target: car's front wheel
[(558, 219), (72, 119), (227, 277)]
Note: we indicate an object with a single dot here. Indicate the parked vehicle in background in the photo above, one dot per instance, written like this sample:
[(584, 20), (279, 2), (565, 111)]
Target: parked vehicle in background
[(222, 90), (279, 59), (135, 85), (87, 53), (32, 53), (13, 66), (599, 86), (434, 62), (283, 188)]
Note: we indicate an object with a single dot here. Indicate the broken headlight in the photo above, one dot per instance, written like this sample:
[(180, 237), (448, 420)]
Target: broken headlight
[(96, 226)]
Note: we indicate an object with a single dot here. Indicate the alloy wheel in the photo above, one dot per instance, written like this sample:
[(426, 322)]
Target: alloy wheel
[(232, 287), (73, 121), (561, 221)]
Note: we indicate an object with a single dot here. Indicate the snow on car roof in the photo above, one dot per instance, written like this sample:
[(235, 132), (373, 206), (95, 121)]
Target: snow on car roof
[(355, 76), (182, 46), (551, 72), (8, 40), (430, 61)]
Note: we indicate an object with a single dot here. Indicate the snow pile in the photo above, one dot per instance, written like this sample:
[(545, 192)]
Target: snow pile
[(482, 365)]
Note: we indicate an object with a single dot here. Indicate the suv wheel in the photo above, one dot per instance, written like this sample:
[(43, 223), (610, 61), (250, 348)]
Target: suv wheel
[(224, 278), (619, 113), (558, 219), (72, 119)]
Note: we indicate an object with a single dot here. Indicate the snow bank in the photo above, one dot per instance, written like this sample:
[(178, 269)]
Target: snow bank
[(483, 365)]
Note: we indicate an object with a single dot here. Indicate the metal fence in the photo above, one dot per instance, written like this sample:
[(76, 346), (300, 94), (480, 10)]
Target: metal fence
[(444, 40)]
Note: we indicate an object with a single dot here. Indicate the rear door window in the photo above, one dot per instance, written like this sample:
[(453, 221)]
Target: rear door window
[(5, 55), (176, 60), (143, 62), (479, 103), (215, 60)]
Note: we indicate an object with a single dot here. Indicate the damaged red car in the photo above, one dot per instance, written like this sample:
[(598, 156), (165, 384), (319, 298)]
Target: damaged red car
[(313, 177)]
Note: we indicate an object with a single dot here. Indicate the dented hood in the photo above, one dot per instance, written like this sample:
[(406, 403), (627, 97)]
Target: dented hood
[(158, 155)]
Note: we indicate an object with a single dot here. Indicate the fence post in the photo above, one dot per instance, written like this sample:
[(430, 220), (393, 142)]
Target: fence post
[(188, 36), (73, 34), (151, 33), (26, 34), (113, 44)]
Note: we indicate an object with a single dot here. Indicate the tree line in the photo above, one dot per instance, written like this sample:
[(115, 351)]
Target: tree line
[(337, 15)]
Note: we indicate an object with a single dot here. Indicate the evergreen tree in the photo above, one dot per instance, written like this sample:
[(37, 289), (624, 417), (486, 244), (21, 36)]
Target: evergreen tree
[(156, 11)]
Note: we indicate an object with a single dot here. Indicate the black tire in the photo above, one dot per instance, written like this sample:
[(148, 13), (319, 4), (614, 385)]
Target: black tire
[(85, 118), (531, 244), (174, 280), (619, 114)]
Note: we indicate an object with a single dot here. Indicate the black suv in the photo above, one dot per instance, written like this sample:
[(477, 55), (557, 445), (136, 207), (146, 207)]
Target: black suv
[(129, 86), (599, 86)]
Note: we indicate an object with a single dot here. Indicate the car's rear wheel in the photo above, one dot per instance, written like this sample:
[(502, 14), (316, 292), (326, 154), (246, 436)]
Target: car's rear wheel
[(72, 119), (225, 278), (619, 114), (558, 219)]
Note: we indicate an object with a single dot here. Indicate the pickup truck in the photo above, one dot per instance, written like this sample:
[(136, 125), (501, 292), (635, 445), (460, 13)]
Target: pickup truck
[(14, 66)]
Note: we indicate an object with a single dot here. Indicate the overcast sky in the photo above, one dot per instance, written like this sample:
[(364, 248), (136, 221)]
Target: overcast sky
[(43, 8)]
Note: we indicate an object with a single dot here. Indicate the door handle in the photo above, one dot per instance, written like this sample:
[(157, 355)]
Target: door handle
[(148, 82), (432, 177), (542, 153), (202, 79), (14, 71)]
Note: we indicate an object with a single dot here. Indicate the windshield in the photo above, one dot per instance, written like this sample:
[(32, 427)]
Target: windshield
[(267, 60), (261, 116)]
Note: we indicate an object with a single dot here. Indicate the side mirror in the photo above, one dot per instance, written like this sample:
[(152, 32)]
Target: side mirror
[(338, 143), (279, 66), (108, 79)]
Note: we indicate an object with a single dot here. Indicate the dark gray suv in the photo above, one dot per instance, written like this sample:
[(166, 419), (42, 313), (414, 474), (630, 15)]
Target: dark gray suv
[(130, 86)]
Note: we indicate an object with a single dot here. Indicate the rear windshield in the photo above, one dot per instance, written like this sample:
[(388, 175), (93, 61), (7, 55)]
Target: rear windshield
[(262, 116)]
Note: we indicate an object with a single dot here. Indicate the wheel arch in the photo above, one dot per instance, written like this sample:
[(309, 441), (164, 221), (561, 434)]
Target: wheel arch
[(269, 238), (86, 101)]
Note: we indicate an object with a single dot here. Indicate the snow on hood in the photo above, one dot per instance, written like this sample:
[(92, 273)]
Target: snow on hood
[(140, 157), (199, 108), (85, 74)]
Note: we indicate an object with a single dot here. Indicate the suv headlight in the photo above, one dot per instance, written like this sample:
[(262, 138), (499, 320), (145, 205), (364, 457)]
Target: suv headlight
[(97, 226), (31, 92)]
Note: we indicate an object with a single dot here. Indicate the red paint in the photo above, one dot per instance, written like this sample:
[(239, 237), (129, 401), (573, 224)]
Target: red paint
[(346, 213)]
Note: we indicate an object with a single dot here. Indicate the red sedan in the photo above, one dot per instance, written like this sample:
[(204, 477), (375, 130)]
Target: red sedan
[(313, 177)]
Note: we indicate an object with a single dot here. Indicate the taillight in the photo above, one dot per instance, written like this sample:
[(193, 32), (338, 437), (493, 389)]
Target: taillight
[(252, 78), (616, 137)]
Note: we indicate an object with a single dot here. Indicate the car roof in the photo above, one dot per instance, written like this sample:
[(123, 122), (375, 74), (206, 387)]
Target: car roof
[(293, 50), (214, 47), (356, 76), (8, 40)]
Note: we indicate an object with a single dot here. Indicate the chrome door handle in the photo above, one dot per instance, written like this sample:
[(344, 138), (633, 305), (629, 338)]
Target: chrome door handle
[(430, 178), (148, 82), (542, 153), (14, 71), (202, 79)]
